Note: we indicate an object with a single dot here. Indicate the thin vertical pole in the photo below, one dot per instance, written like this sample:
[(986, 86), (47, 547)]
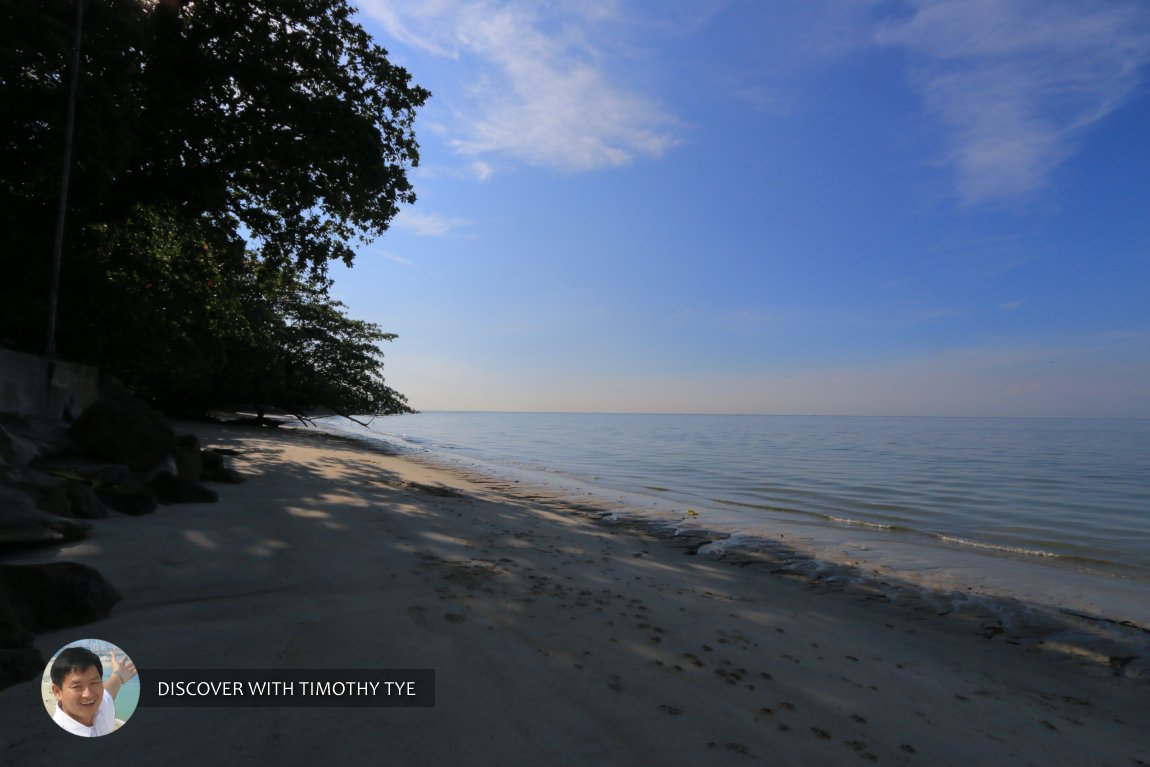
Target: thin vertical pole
[(58, 245)]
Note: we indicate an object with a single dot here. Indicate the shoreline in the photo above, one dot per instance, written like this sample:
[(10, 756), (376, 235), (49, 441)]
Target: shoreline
[(1013, 599), (1058, 496), (557, 637)]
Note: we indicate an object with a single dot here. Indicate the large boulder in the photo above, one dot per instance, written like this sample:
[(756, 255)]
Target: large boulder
[(47, 497), (36, 598), (91, 489), (172, 488), (21, 523), (16, 451), (32, 439), (83, 501), (132, 498), (114, 486), (57, 595), (124, 430), (19, 659)]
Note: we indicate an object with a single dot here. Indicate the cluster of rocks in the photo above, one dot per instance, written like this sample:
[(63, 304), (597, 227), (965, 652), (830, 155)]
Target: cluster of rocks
[(119, 456)]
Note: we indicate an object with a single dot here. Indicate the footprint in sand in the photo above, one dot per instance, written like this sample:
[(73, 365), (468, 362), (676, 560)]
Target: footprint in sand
[(419, 615), (860, 748), (738, 748)]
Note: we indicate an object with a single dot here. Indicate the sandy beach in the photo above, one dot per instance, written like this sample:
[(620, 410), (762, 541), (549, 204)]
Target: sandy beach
[(557, 638)]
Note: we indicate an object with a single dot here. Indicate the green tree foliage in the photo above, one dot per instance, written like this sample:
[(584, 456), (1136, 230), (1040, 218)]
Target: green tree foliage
[(301, 350), (222, 149), (158, 305)]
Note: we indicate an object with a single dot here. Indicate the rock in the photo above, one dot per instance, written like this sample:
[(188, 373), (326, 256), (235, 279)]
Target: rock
[(15, 450), (216, 470), (21, 523), (112, 388), (170, 488), (125, 431), (167, 465), (20, 661), (37, 598), (133, 500), (41, 439), (73, 492), (57, 595), (47, 497), (189, 462), (63, 490), (118, 488), (84, 502)]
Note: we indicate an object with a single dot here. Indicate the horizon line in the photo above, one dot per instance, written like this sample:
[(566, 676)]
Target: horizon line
[(779, 415)]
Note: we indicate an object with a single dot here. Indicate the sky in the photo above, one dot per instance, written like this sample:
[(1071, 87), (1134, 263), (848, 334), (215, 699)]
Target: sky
[(770, 206)]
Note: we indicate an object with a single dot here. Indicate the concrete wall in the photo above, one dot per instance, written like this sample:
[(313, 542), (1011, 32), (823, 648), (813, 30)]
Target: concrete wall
[(24, 386)]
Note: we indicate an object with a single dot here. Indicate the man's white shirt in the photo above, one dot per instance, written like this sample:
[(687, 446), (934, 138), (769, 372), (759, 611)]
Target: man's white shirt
[(104, 722)]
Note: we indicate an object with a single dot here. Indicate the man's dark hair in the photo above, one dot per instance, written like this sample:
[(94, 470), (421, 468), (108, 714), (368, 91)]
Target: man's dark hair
[(74, 660)]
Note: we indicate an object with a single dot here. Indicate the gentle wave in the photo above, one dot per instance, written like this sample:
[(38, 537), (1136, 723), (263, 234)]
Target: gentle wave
[(997, 547), (1055, 490), (863, 523)]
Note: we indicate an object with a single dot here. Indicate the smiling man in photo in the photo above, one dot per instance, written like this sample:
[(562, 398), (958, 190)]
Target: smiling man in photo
[(84, 702)]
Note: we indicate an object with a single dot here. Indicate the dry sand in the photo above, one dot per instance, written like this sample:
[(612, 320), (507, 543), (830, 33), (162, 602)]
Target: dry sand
[(557, 639)]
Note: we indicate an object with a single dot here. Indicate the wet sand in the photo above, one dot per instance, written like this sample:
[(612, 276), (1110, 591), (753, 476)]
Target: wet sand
[(556, 636)]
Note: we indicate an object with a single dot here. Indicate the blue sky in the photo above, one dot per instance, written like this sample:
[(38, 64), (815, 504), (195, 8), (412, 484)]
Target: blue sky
[(770, 206)]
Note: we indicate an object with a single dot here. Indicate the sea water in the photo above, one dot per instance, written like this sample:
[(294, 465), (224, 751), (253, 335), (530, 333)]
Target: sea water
[(1050, 511)]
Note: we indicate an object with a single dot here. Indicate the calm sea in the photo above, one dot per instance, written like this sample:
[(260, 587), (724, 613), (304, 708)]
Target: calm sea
[(1049, 510)]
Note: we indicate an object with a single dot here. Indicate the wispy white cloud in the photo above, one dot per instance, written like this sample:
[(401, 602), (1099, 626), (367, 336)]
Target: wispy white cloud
[(539, 92), (397, 259), (427, 224), (482, 170), (1015, 82), (375, 252), (763, 99)]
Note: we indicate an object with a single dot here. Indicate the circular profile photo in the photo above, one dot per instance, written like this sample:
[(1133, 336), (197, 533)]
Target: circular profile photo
[(90, 687)]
